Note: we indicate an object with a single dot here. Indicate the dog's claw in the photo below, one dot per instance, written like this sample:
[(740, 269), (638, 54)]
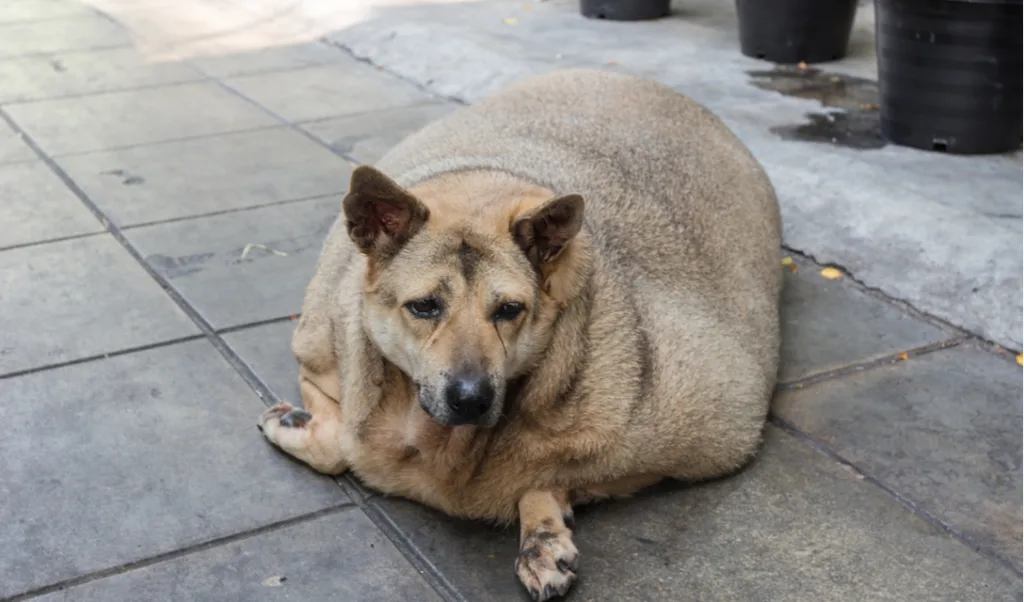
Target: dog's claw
[(534, 594), (549, 592), (296, 419)]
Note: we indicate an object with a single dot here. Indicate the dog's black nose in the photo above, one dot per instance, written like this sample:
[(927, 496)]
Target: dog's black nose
[(469, 397)]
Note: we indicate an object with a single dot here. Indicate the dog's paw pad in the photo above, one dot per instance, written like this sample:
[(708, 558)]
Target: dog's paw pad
[(296, 419), (547, 564)]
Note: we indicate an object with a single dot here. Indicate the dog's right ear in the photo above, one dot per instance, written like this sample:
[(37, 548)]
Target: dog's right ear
[(381, 215)]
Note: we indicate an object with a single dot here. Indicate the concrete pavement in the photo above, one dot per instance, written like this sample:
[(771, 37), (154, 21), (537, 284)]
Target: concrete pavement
[(167, 174)]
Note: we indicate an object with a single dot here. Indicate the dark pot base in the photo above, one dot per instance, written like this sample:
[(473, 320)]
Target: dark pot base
[(794, 31), (625, 10)]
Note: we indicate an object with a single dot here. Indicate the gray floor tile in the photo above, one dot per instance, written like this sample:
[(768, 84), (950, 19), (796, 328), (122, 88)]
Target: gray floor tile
[(338, 557), (328, 91), (12, 148), (272, 58), (60, 35), (112, 461), (828, 324), (268, 351), (20, 11), (218, 264), (206, 175), (38, 206), (78, 298), (793, 527), (943, 429), (113, 120), (368, 136), (74, 73)]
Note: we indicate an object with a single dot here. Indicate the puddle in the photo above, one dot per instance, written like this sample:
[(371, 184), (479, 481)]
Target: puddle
[(853, 120)]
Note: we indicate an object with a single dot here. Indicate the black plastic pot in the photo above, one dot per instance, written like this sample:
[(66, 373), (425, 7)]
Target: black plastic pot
[(625, 10), (794, 31), (949, 74)]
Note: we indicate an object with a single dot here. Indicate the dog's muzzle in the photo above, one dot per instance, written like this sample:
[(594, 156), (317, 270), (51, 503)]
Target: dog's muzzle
[(469, 396)]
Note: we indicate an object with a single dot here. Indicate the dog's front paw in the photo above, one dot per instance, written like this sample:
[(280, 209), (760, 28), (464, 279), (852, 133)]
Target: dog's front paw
[(282, 415), (547, 563)]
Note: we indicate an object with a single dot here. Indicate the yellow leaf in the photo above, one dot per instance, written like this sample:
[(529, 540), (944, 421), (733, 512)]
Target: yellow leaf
[(1020, 359), (510, 20), (787, 260), (831, 273), (903, 356)]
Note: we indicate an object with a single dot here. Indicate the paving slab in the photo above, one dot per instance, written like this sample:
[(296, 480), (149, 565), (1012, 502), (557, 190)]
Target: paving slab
[(37, 206), (78, 298), (367, 136), (117, 460), (793, 526), (327, 91), (942, 429), (113, 120), (75, 73), (829, 324), (207, 175), (12, 148), (267, 349), (282, 57), (242, 267), (20, 11), (60, 35), (342, 556)]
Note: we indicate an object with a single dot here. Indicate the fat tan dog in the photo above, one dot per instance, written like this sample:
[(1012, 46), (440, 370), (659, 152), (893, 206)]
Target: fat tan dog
[(565, 292)]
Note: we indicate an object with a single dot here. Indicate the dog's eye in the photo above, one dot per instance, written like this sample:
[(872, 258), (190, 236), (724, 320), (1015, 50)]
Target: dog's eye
[(508, 312), (424, 308)]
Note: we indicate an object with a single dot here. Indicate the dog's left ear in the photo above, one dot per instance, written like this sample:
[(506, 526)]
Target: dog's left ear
[(542, 233), (381, 215)]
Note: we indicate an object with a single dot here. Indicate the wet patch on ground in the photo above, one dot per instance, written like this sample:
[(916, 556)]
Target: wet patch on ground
[(853, 121)]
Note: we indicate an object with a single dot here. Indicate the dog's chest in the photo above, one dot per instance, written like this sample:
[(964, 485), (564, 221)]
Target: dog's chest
[(404, 452)]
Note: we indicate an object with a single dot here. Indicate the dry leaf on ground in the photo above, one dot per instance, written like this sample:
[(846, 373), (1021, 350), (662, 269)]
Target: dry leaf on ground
[(831, 273), (1020, 359), (510, 20)]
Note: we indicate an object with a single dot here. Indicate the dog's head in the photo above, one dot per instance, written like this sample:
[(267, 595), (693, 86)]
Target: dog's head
[(462, 296)]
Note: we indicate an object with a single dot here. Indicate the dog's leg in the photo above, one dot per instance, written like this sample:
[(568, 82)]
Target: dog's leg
[(619, 488), (312, 436), (547, 557)]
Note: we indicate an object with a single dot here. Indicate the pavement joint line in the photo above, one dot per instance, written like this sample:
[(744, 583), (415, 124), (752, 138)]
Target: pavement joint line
[(50, 53), (181, 552), (256, 324), (36, 243), (289, 124), (345, 49), (201, 77), (434, 576), (185, 218), (904, 306), (108, 149), (906, 502), (243, 369), (101, 356), (863, 366)]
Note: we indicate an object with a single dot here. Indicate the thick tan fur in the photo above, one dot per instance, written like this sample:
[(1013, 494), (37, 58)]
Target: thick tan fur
[(649, 344)]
